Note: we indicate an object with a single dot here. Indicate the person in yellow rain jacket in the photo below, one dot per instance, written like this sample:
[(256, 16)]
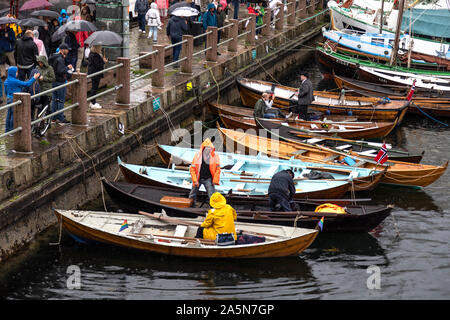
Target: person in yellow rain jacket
[(205, 170), (220, 219)]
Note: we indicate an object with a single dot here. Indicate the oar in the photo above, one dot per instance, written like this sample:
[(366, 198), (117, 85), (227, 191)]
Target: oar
[(197, 224)]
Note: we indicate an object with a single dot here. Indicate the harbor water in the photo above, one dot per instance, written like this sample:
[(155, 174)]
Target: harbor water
[(408, 252)]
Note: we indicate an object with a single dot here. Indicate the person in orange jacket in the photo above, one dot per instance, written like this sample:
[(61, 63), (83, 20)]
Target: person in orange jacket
[(205, 170)]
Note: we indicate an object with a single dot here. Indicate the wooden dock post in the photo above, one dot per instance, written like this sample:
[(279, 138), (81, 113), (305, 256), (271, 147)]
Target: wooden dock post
[(211, 41), (79, 95), (233, 33), (22, 118), (187, 51), (158, 63), (123, 78)]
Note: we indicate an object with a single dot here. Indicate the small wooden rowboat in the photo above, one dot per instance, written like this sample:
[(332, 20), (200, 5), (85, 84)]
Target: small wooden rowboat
[(361, 148), (348, 130), (248, 167), (133, 198), (229, 110), (242, 185), (325, 102), (430, 102), (398, 173), (170, 236)]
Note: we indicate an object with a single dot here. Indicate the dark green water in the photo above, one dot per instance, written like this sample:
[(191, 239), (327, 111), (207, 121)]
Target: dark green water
[(410, 248)]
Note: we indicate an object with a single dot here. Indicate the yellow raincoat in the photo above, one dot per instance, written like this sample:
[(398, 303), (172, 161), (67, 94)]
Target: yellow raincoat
[(220, 219)]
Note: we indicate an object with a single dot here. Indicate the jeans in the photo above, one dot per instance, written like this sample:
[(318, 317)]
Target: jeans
[(153, 31), (9, 125), (176, 49), (24, 74), (142, 22), (236, 9), (209, 186), (279, 202), (58, 99)]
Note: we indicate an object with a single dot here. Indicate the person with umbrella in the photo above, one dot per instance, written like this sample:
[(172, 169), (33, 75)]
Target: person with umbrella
[(96, 64), (175, 29), (141, 7), (25, 53), (72, 43)]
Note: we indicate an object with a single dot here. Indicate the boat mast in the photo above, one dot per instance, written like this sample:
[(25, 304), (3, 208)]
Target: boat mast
[(397, 33), (381, 17)]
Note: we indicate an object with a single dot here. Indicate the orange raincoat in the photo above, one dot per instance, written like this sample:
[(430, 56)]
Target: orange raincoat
[(214, 164)]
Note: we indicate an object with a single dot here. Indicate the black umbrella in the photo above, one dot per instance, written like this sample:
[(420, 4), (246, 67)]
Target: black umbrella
[(73, 25), (32, 22), (104, 38), (7, 20), (45, 13)]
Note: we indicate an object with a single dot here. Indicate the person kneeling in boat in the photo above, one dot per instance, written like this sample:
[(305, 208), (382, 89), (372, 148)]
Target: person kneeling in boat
[(220, 219), (205, 170), (263, 108), (282, 191)]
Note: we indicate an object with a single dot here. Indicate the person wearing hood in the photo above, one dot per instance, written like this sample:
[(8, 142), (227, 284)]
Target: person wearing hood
[(281, 191), (25, 53), (205, 170), (154, 22), (220, 219), (40, 44), (46, 79), (13, 85), (209, 17), (175, 29), (63, 17), (141, 7)]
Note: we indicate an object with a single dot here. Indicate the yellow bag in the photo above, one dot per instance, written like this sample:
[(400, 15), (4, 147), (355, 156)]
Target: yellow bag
[(330, 207)]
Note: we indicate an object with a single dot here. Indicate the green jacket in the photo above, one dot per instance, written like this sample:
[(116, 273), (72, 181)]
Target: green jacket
[(48, 74), (260, 108)]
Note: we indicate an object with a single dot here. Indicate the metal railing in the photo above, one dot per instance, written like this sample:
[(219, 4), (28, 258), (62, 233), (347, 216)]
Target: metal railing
[(154, 52)]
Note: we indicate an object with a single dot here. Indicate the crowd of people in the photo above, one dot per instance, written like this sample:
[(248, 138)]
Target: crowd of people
[(30, 58)]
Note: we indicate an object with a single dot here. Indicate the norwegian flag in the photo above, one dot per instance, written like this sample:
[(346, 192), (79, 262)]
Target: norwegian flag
[(411, 92), (382, 155)]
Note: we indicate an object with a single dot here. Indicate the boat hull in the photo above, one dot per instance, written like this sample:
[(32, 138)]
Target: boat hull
[(135, 198), (290, 247)]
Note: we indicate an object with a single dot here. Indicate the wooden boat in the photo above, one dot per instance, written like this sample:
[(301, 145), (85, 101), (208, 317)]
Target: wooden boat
[(165, 235), (256, 185), (362, 179), (430, 102), (398, 173), (134, 198), (348, 130), (364, 149), (325, 102), (228, 110), (428, 82)]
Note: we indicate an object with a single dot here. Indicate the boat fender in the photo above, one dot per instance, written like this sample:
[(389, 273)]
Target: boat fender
[(330, 207)]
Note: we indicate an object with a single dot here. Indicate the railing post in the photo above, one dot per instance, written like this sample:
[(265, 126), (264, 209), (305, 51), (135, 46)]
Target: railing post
[(310, 5), (158, 63), (233, 33), (279, 23), (79, 89), (22, 118), (123, 77), (187, 49), (291, 12), (251, 27), (303, 13), (266, 21), (211, 41)]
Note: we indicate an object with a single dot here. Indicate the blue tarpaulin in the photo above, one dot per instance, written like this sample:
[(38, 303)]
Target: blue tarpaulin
[(429, 22)]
